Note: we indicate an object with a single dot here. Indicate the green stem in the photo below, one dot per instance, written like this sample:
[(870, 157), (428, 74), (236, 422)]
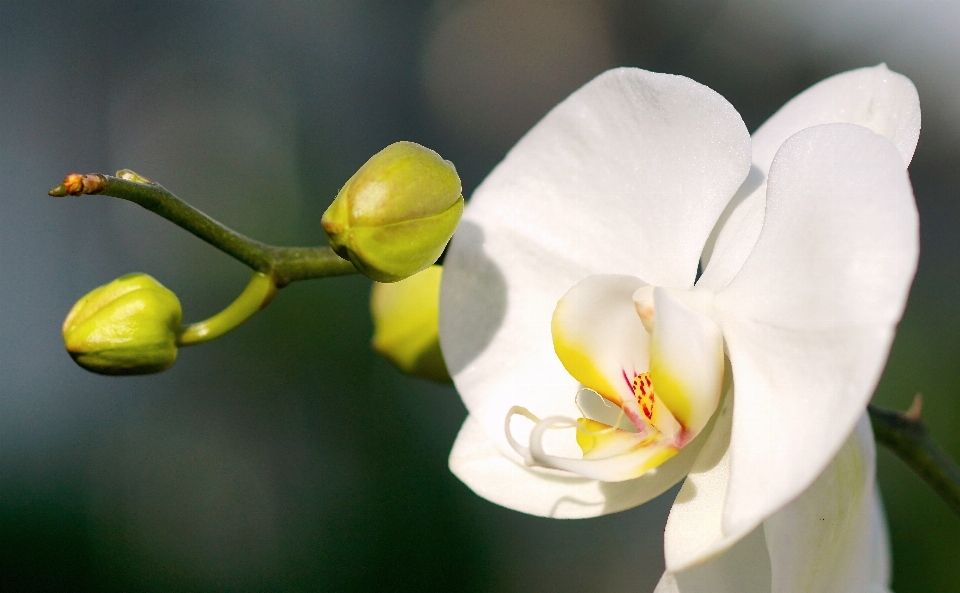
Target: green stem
[(284, 264), (906, 435), (257, 295)]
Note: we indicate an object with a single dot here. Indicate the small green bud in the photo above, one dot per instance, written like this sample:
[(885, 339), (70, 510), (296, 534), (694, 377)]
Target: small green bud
[(126, 327), (406, 323), (396, 214)]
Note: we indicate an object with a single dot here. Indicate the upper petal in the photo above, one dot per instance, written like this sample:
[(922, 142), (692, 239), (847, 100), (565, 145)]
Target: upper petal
[(626, 176), (809, 319), (826, 540), (876, 98)]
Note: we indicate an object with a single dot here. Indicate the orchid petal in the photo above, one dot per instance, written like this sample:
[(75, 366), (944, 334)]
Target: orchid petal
[(600, 340), (832, 538), (876, 98), (686, 364), (809, 319), (881, 566), (479, 464), (627, 175), (824, 540), (694, 533), (744, 568)]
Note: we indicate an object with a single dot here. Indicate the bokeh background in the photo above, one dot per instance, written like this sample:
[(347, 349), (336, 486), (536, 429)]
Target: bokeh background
[(286, 456)]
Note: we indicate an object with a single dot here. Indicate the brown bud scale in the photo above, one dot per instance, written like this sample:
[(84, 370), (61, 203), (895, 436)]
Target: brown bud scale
[(75, 184)]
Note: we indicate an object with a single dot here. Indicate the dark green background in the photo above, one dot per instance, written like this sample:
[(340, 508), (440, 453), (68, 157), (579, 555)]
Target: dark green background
[(286, 456)]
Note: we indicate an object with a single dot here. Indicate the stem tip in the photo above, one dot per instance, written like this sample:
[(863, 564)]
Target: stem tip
[(76, 184)]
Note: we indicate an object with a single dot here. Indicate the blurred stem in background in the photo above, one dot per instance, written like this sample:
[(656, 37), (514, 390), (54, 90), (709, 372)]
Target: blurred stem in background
[(906, 435)]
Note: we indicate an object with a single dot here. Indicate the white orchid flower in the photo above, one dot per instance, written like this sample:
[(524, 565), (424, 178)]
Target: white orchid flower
[(598, 371)]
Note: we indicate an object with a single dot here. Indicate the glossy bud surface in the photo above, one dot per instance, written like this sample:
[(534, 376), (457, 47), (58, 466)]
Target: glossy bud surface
[(393, 218), (126, 327)]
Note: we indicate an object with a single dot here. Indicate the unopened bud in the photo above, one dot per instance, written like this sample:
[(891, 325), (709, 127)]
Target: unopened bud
[(126, 327), (393, 218), (406, 317)]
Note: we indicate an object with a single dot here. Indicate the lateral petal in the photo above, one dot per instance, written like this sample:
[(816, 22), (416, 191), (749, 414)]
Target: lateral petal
[(809, 319)]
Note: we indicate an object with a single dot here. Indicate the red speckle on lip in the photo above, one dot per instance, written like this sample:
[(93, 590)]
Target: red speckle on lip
[(643, 391)]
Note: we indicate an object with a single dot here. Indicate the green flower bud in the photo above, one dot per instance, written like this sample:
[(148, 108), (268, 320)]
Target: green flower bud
[(126, 327), (406, 322), (396, 214)]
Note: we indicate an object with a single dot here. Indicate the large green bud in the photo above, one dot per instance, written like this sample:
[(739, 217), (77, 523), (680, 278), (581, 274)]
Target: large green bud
[(126, 327), (393, 218), (406, 324)]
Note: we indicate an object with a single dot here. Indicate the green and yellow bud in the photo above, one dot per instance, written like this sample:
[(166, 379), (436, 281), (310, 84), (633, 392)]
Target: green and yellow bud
[(406, 324), (393, 218), (126, 327)]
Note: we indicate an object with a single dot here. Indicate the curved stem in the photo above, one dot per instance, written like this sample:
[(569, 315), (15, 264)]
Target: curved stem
[(257, 295), (905, 434), (304, 263), (284, 264)]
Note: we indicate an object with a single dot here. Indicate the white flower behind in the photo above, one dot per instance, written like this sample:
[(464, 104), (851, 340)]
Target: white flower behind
[(606, 207)]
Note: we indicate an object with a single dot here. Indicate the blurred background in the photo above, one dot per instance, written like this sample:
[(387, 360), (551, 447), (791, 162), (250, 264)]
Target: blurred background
[(286, 456)]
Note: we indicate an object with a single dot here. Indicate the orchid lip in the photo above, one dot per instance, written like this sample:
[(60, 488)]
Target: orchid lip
[(628, 459), (652, 356)]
